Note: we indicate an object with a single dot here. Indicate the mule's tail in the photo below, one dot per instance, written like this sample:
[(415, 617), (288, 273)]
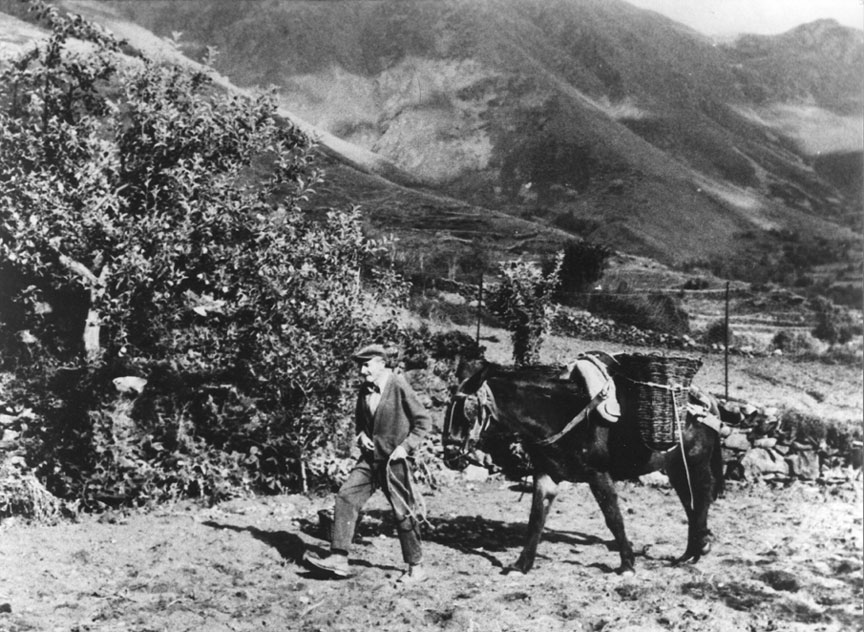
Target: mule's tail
[(717, 469)]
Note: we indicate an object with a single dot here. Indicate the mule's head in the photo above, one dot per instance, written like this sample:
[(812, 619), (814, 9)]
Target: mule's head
[(469, 413)]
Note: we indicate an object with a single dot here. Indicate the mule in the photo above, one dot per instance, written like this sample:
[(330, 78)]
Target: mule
[(540, 405)]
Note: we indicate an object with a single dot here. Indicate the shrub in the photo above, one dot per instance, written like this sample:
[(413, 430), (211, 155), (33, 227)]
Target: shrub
[(715, 334), (139, 237), (524, 302), (419, 346), (810, 430), (698, 283), (834, 324), (794, 342), (655, 312), (582, 266), (453, 345), (850, 353)]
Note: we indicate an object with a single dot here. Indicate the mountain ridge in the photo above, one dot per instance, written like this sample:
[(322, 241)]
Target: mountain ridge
[(585, 118)]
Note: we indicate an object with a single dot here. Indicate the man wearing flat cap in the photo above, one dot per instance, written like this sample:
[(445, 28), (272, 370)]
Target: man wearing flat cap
[(390, 424)]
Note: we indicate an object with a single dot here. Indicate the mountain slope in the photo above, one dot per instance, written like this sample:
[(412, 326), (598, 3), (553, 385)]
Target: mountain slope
[(354, 175), (592, 116)]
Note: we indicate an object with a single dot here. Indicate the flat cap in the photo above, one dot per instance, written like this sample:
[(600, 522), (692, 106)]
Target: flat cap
[(364, 354)]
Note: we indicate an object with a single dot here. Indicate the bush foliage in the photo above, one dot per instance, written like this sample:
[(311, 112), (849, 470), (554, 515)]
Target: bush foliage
[(138, 237), (524, 303), (582, 265), (834, 324)]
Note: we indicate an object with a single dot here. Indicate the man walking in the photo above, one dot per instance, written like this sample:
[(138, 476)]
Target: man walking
[(390, 424)]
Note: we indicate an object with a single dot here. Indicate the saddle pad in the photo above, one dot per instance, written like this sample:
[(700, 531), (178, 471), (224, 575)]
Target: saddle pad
[(597, 380), (704, 410)]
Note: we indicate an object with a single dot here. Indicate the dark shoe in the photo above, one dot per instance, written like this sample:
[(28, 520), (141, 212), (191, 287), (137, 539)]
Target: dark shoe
[(416, 573), (334, 564)]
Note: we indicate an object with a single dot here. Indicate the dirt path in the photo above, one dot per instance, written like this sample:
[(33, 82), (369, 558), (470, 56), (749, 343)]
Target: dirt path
[(786, 560)]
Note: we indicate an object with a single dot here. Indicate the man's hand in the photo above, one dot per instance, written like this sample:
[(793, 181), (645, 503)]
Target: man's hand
[(365, 442), (399, 454)]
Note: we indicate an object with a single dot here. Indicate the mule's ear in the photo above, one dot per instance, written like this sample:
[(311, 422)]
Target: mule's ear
[(465, 368), (472, 384)]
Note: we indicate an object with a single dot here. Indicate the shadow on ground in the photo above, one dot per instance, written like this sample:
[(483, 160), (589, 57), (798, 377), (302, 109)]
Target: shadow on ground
[(289, 545), (472, 535)]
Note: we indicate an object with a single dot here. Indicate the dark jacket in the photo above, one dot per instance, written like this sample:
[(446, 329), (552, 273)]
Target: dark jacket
[(399, 419)]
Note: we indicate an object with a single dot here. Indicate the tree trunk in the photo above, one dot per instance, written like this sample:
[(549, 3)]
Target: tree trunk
[(93, 323), (526, 346)]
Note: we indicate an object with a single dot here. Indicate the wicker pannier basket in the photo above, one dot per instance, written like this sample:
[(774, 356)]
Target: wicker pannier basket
[(652, 388)]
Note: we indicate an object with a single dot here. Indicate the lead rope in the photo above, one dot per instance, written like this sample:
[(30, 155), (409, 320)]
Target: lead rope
[(415, 506), (681, 441)]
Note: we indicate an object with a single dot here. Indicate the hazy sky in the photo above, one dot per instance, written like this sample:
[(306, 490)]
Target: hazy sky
[(726, 17)]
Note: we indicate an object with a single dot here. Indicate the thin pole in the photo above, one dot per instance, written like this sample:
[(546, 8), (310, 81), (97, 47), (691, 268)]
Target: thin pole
[(479, 305), (726, 343)]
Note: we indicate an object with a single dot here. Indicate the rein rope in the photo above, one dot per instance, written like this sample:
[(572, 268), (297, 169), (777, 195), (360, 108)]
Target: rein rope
[(415, 506), (679, 424)]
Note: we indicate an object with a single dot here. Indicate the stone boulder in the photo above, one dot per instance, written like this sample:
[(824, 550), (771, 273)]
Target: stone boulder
[(763, 463)]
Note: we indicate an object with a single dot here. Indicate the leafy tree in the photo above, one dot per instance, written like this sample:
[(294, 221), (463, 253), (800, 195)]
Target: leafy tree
[(524, 303), (582, 266), (152, 225), (716, 334), (833, 324)]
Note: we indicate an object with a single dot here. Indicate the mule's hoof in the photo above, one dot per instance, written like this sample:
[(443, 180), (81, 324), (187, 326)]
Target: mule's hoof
[(687, 557), (626, 573), (513, 571), (706, 548)]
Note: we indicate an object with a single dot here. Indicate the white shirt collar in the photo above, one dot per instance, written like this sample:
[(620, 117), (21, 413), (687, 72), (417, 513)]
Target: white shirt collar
[(382, 380)]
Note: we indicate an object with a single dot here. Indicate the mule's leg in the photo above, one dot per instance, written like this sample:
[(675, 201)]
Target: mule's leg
[(701, 482), (603, 488), (545, 490)]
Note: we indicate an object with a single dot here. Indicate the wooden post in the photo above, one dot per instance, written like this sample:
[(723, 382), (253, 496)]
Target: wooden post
[(479, 305), (726, 344)]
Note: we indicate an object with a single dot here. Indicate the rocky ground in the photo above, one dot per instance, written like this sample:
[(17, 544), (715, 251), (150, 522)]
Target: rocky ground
[(785, 559), (787, 554)]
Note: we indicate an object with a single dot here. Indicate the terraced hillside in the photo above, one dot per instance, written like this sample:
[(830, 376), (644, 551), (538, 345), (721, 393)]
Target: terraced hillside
[(597, 118)]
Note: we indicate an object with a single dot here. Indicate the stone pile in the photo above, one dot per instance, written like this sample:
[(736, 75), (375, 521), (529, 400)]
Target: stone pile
[(757, 447), (588, 327)]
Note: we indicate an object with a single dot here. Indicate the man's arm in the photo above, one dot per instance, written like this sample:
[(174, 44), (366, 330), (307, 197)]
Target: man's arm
[(362, 438), (418, 418)]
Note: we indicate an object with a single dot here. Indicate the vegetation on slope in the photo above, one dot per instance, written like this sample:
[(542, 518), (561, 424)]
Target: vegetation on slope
[(137, 248), (603, 120)]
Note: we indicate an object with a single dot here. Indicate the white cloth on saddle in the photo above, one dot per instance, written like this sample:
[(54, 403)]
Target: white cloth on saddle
[(597, 381), (699, 406)]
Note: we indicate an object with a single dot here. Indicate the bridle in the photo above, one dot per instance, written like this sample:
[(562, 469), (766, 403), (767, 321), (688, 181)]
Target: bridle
[(487, 411)]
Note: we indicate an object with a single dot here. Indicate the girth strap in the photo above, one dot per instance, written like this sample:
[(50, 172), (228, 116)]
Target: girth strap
[(594, 403)]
